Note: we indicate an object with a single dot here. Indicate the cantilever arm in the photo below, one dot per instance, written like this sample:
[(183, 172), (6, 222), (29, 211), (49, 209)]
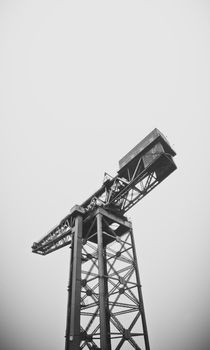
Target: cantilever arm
[(141, 170), (57, 238)]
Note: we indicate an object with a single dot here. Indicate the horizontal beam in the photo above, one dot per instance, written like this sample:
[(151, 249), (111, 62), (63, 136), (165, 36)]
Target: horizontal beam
[(114, 198)]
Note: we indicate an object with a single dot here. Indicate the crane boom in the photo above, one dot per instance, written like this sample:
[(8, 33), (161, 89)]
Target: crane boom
[(141, 170)]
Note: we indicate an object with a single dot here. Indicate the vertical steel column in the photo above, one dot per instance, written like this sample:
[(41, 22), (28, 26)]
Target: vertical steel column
[(144, 324), (73, 311), (105, 342), (69, 299)]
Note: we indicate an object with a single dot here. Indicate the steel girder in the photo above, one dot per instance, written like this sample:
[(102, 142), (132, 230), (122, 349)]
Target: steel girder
[(117, 194), (111, 306), (105, 304)]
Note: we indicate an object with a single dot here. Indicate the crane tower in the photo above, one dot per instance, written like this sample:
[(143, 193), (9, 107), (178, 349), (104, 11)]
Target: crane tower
[(105, 305)]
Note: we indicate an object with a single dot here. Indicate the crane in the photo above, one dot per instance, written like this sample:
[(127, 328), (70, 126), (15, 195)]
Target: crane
[(105, 304)]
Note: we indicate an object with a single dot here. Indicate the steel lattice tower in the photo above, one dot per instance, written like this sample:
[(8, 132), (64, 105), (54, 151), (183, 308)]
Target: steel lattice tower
[(105, 304)]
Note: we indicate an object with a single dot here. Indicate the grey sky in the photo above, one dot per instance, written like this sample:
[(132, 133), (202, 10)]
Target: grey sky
[(83, 82)]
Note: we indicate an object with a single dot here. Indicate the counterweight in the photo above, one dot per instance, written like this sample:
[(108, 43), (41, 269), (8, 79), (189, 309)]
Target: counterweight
[(104, 282)]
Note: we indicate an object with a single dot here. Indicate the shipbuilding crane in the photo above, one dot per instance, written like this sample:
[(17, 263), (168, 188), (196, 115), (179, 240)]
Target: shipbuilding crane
[(105, 304)]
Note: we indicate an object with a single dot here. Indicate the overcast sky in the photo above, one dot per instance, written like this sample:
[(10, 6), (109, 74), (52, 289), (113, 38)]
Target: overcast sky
[(82, 82)]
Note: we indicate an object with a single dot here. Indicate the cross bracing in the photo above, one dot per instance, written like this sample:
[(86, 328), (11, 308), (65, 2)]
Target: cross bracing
[(123, 289), (117, 194), (105, 304)]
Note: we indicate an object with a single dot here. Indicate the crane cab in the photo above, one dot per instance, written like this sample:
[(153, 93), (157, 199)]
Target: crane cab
[(152, 153)]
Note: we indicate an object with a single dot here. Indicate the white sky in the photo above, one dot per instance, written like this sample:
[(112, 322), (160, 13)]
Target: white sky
[(82, 82)]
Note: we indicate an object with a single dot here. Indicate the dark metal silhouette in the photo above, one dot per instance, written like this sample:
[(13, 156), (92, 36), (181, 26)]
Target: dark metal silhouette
[(105, 304)]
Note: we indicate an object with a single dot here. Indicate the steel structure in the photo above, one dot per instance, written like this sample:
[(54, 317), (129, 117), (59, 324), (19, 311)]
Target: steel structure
[(105, 304)]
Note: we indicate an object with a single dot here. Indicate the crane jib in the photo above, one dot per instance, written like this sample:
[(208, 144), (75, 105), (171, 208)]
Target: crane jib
[(141, 170)]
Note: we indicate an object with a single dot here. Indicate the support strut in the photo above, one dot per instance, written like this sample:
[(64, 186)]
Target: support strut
[(105, 303), (74, 288)]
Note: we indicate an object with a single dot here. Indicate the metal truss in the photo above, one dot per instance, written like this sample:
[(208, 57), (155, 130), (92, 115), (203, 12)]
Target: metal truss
[(105, 305), (117, 194), (111, 304), (58, 237)]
